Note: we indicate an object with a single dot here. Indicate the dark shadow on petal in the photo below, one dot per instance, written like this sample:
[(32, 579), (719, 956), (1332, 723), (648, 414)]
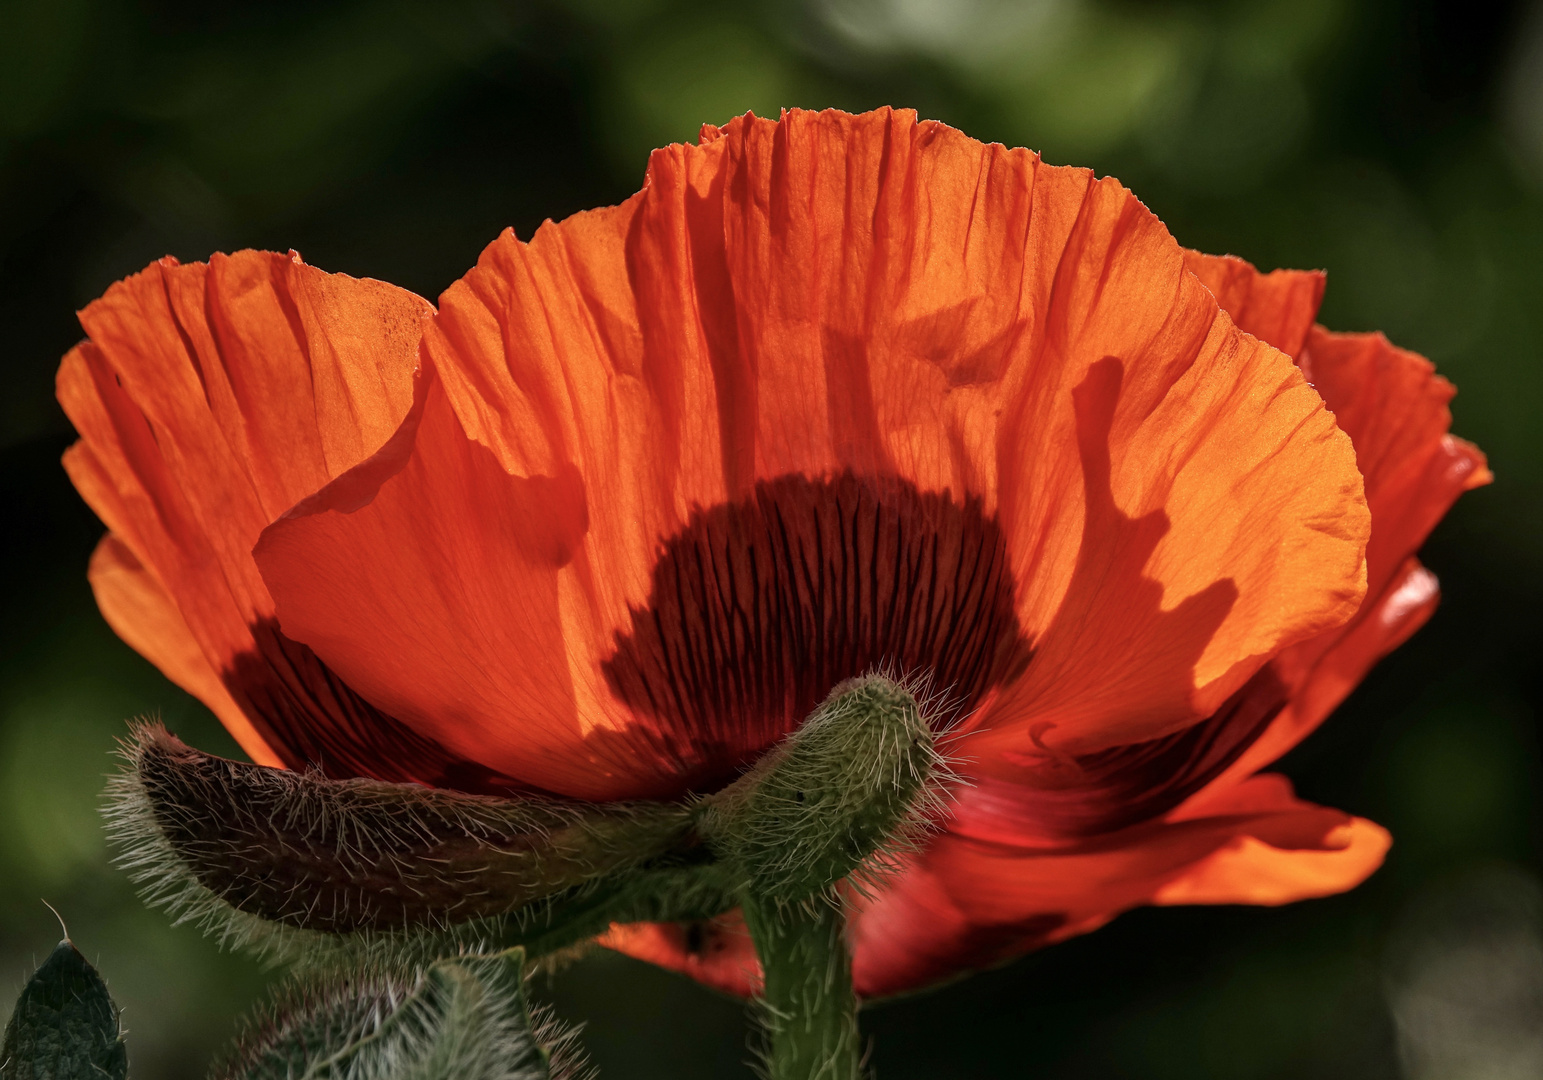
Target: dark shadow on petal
[(759, 607), (313, 719), (1078, 796), (1030, 789)]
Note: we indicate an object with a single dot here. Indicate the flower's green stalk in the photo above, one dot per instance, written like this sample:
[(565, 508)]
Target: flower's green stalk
[(808, 1008), (831, 804)]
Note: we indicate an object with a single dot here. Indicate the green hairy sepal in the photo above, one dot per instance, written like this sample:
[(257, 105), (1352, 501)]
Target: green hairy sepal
[(464, 1017), (858, 779)]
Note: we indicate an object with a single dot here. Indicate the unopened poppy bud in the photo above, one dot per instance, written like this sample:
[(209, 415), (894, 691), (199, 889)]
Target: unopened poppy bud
[(463, 1018), (848, 782), (65, 1024), (345, 855)]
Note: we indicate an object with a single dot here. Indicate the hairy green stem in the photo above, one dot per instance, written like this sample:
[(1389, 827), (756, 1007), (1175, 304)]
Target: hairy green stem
[(810, 1011)]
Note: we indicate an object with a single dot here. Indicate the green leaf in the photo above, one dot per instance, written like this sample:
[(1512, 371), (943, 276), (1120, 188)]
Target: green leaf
[(463, 1018), (65, 1026)]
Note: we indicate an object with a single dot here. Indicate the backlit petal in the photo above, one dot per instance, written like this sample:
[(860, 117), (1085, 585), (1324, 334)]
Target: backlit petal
[(210, 399), (139, 611), (870, 296), (1278, 308), (451, 567), (983, 903), (1394, 407)]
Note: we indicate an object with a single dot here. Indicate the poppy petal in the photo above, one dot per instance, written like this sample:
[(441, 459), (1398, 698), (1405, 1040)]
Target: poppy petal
[(1151, 637), (1395, 409), (717, 952), (1277, 308), (1257, 868), (1252, 871), (832, 295), (989, 902), (451, 567), (962, 905), (1046, 798), (209, 399), (916, 935), (962, 291), (139, 611)]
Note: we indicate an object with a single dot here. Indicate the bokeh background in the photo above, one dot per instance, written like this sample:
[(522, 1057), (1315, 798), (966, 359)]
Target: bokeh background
[(1397, 144)]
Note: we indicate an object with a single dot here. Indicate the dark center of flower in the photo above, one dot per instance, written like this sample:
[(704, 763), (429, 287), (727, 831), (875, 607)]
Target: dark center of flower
[(759, 607)]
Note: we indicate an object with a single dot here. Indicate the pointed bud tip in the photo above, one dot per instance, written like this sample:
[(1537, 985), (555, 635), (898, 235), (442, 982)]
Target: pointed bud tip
[(65, 1024)]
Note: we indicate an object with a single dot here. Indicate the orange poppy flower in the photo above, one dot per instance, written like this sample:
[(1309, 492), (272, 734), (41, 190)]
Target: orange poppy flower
[(830, 393)]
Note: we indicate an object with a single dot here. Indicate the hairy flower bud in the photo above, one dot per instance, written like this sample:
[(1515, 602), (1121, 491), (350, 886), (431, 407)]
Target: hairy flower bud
[(852, 779), (346, 855), (462, 1018), (65, 1025)]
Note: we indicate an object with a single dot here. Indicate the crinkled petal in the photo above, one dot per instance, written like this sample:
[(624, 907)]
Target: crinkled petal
[(868, 296), (1394, 407), (209, 400), (1277, 308), (1152, 636)]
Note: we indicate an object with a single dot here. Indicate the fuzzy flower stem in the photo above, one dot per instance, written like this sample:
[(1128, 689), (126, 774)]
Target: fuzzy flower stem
[(810, 1011), (820, 816)]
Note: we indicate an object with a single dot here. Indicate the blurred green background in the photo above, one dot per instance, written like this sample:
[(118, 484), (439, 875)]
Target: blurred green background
[(1397, 144)]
